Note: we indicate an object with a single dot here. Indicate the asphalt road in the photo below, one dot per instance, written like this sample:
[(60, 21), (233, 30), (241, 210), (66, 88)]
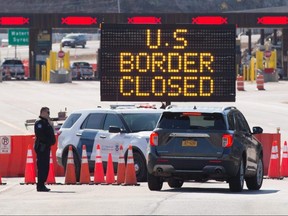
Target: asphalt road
[(210, 198)]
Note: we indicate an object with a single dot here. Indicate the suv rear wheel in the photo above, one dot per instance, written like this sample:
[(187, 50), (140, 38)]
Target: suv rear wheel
[(154, 183), (236, 183), (255, 182), (175, 183)]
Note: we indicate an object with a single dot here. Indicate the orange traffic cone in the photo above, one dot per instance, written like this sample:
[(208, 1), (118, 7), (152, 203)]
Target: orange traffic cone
[(110, 178), (84, 174), (30, 167), (274, 165), (98, 169), (51, 174), (70, 177), (284, 164), (130, 174), (121, 167)]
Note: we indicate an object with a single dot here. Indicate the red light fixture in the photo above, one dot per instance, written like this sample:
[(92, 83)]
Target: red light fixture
[(272, 20), (79, 20), (227, 140), (14, 21), (144, 20), (209, 20), (153, 139)]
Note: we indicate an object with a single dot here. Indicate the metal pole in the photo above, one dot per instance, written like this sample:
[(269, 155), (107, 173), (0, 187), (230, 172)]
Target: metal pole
[(249, 42), (118, 4), (274, 42), (262, 39)]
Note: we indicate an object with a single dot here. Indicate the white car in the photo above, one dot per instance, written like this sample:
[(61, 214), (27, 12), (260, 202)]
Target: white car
[(110, 128)]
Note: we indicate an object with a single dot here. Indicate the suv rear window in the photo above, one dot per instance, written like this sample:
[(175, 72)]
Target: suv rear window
[(190, 120), (13, 62), (81, 64), (70, 121)]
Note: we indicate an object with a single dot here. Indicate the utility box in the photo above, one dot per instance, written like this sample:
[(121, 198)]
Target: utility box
[(60, 76), (270, 76)]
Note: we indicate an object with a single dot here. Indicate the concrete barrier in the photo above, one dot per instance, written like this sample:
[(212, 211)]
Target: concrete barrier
[(14, 160), (267, 140), (60, 76)]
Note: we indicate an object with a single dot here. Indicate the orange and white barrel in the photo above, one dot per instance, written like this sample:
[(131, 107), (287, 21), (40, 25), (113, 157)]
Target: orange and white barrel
[(260, 82), (240, 83)]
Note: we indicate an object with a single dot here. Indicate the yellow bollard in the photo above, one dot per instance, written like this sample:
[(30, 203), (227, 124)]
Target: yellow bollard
[(37, 72), (53, 57), (259, 60), (48, 68), (44, 73), (66, 60), (245, 72), (252, 69)]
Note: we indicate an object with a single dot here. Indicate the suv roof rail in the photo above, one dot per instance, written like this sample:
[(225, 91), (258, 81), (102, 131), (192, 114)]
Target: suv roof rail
[(122, 106), (229, 108), (171, 106)]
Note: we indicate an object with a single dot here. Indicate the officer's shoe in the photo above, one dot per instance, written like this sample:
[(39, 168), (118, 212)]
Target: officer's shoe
[(43, 189)]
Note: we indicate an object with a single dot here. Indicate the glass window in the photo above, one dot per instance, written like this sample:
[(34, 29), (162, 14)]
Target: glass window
[(69, 122), (231, 121), (213, 121), (93, 121), (141, 121), (112, 120), (13, 61), (242, 124)]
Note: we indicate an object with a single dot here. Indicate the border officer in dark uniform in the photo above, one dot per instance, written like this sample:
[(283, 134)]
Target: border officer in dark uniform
[(45, 138)]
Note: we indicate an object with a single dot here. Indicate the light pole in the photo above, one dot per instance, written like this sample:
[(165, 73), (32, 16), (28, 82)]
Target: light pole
[(118, 5)]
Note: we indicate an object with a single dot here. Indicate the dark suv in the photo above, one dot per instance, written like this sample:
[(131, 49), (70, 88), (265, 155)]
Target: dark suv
[(203, 143), (73, 40)]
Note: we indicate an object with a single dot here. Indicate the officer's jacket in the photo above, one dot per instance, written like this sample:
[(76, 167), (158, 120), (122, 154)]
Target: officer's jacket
[(44, 133)]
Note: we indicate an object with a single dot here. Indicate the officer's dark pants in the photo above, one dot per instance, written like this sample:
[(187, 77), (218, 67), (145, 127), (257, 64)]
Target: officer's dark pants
[(43, 161)]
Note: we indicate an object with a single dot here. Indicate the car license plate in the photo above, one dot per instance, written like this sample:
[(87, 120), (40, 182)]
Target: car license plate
[(192, 143)]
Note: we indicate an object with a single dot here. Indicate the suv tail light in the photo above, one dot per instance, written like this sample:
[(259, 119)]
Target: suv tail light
[(154, 139), (227, 140)]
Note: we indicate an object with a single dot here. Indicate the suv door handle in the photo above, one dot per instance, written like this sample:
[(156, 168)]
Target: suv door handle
[(102, 136), (78, 134)]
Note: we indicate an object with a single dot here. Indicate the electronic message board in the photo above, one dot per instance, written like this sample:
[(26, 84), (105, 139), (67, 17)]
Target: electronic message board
[(167, 62)]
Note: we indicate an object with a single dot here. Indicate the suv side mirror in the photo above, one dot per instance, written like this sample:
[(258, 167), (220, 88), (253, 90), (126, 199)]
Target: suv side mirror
[(114, 129), (257, 130)]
